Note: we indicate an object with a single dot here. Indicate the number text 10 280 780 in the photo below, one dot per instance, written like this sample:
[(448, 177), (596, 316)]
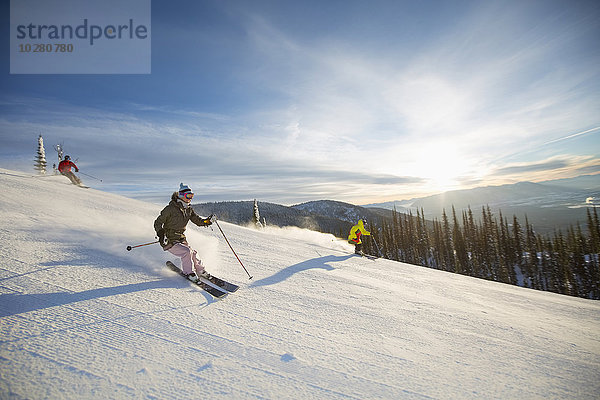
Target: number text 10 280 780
[(46, 48)]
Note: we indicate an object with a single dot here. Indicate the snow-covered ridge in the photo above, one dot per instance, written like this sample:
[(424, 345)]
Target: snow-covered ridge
[(80, 317)]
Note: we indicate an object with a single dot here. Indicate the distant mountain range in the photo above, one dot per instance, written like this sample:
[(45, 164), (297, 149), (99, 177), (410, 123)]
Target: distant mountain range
[(324, 215), (548, 206)]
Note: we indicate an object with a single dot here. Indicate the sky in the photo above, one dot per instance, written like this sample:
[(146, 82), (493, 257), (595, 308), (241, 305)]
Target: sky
[(363, 102)]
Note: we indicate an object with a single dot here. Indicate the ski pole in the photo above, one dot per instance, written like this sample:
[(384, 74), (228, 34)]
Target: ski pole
[(93, 177), (234, 253), (376, 245), (140, 245)]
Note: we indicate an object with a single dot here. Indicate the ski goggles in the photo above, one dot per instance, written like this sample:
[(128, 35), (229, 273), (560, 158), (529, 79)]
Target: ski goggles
[(186, 195)]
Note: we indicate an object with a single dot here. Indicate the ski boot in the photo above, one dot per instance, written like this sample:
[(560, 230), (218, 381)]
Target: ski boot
[(204, 274), (192, 277)]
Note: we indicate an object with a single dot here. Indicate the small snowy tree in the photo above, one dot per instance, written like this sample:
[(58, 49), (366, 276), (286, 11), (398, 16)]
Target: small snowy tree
[(256, 216), (40, 158), (59, 150)]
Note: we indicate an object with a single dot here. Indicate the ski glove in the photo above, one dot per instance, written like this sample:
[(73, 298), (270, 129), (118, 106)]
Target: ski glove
[(161, 238), (208, 221)]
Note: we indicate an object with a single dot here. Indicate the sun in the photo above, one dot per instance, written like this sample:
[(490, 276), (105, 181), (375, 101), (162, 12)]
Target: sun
[(442, 165)]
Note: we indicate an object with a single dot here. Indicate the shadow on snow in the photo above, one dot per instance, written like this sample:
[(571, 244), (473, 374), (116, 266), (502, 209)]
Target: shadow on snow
[(17, 303), (315, 263)]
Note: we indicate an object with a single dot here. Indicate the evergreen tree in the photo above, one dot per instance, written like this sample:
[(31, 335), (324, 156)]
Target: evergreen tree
[(40, 158), (393, 237), (564, 277), (402, 224), (436, 244), (594, 231), (472, 242), (422, 239), (553, 276), (518, 248), (376, 241), (530, 265), (594, 249), (256, 215), (504, 251), (447, 243), (409, 238), (488, 244), (575, 243), (460, 249), (543, 264), (493, 249)]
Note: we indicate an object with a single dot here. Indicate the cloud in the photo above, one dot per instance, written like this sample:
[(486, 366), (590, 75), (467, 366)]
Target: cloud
[(144, 158), (564, 166), (341, 111), (548, 165), (479, 83)]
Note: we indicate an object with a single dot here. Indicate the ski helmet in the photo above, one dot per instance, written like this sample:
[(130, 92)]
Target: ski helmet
[(185, 193)]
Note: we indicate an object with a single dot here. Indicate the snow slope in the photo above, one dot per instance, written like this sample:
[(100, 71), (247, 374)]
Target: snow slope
[(80, 317)]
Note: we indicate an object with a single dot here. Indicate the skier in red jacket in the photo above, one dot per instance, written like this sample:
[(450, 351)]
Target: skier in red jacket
[(64, 167)]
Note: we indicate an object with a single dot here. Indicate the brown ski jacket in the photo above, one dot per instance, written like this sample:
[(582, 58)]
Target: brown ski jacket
[(173, 220)]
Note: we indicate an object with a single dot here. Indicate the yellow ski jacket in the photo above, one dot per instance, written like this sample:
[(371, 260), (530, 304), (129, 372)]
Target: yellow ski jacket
[(356, 232)]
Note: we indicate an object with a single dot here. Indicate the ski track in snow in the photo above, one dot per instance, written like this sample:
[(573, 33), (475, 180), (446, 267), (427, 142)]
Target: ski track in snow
[(80, 317)]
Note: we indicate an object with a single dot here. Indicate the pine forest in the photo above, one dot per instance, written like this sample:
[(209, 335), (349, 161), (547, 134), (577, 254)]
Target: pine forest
[(496, 248)]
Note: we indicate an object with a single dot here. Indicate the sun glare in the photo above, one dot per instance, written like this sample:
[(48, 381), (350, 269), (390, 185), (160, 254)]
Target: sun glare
[(442, 165)]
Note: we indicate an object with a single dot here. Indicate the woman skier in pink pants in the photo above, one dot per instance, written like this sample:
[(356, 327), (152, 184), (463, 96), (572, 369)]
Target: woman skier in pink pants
[(170, 227)]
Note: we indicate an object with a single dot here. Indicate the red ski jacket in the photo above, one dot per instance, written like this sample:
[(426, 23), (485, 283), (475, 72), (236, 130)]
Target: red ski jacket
[(65, 166)]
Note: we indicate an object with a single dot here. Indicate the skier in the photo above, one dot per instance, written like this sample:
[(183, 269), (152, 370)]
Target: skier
[(64, 167), (170, 227), (355, 236)]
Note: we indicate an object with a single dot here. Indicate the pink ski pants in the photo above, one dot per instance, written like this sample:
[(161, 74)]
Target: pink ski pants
[(189, 259)]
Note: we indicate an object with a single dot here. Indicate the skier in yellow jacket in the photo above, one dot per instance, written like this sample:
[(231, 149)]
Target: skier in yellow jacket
[(355, 236)]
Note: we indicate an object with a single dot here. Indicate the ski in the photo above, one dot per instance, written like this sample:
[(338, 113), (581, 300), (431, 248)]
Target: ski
[(217, 283), (223, 284), (370, 257), (207, 286)]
